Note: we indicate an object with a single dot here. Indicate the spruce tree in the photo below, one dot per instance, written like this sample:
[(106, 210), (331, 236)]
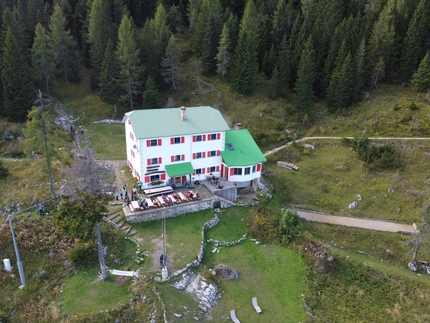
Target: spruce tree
[(305, 78), (130, 68), (100, 30), (283, 64), (224, 56), (63, 43), (360, 69), (150, 95), (421, 79), (345, 88), (416, 38), (108, 84), (210, 44), (245, 64), (43, 56), (18, 89), (171, 64)]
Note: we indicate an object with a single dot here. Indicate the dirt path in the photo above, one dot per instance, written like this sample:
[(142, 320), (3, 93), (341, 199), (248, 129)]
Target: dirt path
[(388, 226), (274, 150)]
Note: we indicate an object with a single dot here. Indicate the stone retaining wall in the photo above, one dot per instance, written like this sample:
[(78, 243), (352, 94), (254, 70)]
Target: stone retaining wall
[(175, 210)]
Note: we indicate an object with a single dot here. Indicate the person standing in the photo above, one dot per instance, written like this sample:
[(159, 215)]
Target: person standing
[(41, 209), (121, 193), (116, 195)]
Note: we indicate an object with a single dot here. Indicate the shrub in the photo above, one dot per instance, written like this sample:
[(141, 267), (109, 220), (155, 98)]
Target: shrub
[(3, 171), (263, 224), (413, 106), (83, 254), (290, 226)]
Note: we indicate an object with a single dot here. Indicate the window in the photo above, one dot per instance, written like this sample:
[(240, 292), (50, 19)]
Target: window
[(253, 169), (198, 171), (154, 161), (177, 158), (212, 153), (199, 138), (177, 140), (131, 136), (153, 142), (238, 171), (213, 169), (213, 136), (155, 178), (132, 153), (247, 170), (199, 155)]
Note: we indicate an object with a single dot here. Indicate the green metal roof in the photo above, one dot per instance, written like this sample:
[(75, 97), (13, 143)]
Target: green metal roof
[(240, 149), (156, 123), (179, 169)]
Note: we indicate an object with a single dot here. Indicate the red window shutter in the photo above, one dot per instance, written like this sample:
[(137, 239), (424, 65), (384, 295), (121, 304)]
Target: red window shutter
[(204, 137), (203, 170), (163, 177), (217, 168), (148, 161), (218, 152), (209, 154), (209, 137), (160, 161), (148, 143), (209, 169), (172, 141), (159, 142), (182, 140), (129, 122), (204, 154), (172, 158), (194, 138), (231, 171), (194, 155), (218, 136), (258, 167), (147, 179), (182, 157)]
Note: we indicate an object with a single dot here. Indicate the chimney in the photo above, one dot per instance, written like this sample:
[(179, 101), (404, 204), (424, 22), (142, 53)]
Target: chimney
[(183, 115), (238, 126)]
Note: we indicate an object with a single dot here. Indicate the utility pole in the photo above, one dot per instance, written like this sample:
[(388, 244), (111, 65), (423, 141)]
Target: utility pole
[(18, 259)]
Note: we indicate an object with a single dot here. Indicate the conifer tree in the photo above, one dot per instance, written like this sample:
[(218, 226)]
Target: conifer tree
[(109, 87), (127, 53), (283, 64), (269, 62), (345, 87), (171, 64), (43, 56), (245, 64), (224, 56), (305, 79), (283, 20), (360, 69), (266, 41), (100, 30), (416, 37), (150, 95), (193, 10), (210, 44), (421, 79), (63, 43), (274, 84), (18, 90)]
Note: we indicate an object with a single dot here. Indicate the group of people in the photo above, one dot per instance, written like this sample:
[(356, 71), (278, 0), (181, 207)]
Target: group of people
[(123, 193)]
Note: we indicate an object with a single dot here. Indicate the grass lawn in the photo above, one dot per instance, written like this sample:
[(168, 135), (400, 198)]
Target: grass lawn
[(82, 295), (109, 140), (331, 177)]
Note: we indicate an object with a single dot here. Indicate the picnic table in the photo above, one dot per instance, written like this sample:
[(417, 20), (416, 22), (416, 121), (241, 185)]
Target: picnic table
[(158, 191), (134, 206), (183, 197), (150, 204), (160, 199)]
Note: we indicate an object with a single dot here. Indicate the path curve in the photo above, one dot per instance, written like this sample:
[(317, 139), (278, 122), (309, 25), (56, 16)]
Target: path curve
[(274, 150), (371, 224)]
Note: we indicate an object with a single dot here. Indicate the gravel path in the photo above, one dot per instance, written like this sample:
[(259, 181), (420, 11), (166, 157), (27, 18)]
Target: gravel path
[(388, 226)]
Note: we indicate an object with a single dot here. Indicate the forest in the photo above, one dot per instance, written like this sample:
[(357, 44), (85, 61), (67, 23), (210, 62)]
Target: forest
[(332, 50)]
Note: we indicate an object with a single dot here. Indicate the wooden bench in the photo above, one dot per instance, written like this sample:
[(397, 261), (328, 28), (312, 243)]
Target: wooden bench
[(233, 316), (158, 191), (183, 197), (134, 206), (255, 304)]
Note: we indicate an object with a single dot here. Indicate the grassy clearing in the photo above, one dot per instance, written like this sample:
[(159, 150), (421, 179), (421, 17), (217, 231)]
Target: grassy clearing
[(272, 273), (109, 141), (183, 236), (331, 177), (387, 112), (359, 289), (82, 295)]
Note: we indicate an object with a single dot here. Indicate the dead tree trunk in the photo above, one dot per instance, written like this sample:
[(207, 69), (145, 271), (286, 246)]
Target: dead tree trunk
[(103, 271)]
